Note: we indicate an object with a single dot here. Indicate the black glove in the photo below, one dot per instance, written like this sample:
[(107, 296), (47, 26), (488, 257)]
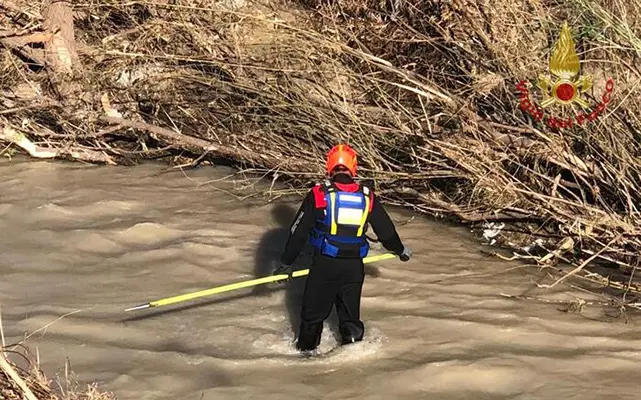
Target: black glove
[(405, 255), (284, 269)]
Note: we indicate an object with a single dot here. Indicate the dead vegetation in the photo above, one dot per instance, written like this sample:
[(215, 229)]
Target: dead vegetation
[(22, 379), (17, 383), (425, 90)]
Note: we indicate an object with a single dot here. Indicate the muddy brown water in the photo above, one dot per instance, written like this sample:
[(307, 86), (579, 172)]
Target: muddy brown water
[(101, 239)]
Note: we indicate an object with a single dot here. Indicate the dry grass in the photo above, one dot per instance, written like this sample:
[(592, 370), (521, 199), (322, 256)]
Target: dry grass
[(425, 90), (22, 378), (38, 386)]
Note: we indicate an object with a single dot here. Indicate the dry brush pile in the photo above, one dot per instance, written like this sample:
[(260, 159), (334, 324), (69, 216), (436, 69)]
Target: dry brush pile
[(23, 380), (425, 90)]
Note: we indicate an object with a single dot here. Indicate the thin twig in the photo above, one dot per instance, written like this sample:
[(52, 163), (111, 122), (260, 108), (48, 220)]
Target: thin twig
[(586, 262)]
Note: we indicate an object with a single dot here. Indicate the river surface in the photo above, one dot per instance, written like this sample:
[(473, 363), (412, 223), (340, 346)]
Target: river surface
[(102, 239)]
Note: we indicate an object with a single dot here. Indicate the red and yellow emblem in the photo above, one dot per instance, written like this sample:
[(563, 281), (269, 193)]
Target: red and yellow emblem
[(564, 87)]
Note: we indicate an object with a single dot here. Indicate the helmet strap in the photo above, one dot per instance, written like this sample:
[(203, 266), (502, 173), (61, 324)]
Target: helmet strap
[(339, 169)]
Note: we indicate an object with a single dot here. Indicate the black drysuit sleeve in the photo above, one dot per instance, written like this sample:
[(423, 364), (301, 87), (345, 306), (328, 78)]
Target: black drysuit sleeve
[(306, 217), (299, 230), (384, 228)]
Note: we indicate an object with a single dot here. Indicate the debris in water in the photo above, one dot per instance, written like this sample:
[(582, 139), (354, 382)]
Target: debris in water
[(492, 230)]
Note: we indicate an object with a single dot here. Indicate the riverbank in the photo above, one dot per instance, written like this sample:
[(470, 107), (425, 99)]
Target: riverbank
[(432, 96)]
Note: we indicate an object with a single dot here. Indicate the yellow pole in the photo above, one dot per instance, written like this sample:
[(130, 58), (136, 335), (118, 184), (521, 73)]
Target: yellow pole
[(240, 285)]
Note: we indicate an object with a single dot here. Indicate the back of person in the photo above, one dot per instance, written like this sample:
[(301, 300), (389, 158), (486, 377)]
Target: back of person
[(334, 216), (343, 207)]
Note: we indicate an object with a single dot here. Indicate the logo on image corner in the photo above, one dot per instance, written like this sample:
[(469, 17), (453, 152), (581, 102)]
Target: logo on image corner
[(564, 88)]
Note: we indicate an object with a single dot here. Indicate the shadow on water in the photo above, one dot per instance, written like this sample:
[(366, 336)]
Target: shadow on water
[(267, 258)]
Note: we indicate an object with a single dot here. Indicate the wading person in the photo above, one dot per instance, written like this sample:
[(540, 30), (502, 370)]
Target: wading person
[(334, 217)]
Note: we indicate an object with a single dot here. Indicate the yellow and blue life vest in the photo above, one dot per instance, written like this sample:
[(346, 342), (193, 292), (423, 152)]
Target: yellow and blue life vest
[(341, 231)]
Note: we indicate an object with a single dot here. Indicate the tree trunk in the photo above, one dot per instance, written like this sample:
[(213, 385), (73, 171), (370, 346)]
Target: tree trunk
[(60, 51)]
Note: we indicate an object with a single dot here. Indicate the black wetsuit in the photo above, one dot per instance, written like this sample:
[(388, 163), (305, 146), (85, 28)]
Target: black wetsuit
[(332, 281)]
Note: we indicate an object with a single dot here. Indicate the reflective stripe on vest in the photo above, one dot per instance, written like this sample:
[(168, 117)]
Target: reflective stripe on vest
[(365, 214), (347, 209)]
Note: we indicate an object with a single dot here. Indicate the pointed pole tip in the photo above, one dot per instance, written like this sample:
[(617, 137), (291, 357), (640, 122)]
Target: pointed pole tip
[(140, 307)]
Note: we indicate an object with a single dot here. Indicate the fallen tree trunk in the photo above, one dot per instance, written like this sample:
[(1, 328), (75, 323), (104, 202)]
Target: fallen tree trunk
[(226, 151), (71, 151)]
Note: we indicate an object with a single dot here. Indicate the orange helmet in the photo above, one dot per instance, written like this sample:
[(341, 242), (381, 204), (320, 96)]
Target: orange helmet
[(343, 155)]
